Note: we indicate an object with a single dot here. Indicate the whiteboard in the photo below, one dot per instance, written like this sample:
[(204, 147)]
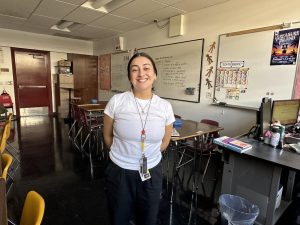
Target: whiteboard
[(119, 78), (178, 68), (260, 79)]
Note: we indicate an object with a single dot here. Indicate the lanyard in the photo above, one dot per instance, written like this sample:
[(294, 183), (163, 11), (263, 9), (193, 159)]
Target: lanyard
[(143, 132)]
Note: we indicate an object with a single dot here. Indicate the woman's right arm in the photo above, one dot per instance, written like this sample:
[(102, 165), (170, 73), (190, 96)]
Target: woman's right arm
[(108, 130)]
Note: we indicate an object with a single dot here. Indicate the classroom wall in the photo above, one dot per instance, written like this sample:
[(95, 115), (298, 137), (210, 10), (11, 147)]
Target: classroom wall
[(209, 23), (58, 47)]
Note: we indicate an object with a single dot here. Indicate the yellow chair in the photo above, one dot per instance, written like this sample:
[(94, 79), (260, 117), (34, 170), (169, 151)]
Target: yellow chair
[(6, 162), (10, 116), (4, 136), (33, 209), (5, 142)]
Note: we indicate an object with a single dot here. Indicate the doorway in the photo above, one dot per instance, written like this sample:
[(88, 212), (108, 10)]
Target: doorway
[(32, 82)]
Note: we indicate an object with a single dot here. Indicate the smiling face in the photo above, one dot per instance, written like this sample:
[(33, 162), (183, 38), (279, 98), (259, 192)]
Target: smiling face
[(142, 75)]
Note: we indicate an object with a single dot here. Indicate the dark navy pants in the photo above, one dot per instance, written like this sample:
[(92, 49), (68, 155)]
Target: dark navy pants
[(129, 197)]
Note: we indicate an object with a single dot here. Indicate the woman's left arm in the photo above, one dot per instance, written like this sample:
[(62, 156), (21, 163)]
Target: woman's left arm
[(167, 137)]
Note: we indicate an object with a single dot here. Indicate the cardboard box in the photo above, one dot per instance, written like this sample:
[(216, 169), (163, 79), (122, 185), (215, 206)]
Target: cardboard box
[(64, 63), (64, 79)]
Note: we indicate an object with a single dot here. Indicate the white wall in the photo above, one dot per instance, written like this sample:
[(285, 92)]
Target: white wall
[(209, 23), (58, 47), (19, 39), (6, 78)]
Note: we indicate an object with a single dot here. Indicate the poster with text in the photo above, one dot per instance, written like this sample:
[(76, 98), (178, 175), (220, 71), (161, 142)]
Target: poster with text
[(285, 47)]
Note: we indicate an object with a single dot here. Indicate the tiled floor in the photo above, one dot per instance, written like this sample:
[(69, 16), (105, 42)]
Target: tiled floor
[(51, 166)]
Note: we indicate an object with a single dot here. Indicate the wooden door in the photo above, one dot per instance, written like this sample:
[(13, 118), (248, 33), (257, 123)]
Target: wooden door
[(32, 79)]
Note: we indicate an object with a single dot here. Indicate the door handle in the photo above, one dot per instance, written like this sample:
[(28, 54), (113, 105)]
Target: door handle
[(32, 86)]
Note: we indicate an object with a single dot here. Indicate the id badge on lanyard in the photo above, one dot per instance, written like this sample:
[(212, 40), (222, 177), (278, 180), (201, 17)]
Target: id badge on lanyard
[(144, 172)]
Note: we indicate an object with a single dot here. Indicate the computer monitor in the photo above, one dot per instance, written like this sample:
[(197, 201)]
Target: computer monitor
[(286, 111), (265, 115)]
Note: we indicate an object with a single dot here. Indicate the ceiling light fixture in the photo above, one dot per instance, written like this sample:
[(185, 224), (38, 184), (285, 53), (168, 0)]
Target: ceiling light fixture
[(65, 25), (105, 6), (99, 3)]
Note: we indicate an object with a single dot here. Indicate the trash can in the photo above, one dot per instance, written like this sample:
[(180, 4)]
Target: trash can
[(237, 210)]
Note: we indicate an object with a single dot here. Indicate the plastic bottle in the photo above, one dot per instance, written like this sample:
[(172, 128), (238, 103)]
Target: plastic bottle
[(275, 137)]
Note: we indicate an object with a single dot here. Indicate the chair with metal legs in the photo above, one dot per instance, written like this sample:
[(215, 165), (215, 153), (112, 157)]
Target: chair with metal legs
[(9, 147), (91, 132), (6, 160), (33, 209), (72, 130), (75, 133), (206, 149)]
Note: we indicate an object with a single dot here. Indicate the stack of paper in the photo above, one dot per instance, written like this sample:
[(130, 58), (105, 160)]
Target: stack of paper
[(175, 133), (295, 147)]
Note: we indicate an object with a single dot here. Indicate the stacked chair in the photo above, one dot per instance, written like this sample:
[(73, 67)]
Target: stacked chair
[(6, 162), (7, 159), (86, 133)]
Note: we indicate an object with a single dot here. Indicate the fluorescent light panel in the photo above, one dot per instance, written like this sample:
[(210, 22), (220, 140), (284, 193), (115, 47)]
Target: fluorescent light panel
[(99, 3), (64, 24), (108, 7)]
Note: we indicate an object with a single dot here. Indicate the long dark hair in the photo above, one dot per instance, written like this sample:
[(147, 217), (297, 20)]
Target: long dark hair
[(138, 54)]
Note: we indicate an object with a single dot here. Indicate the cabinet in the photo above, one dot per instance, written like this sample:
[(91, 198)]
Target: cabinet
[(256, 174), (85, 70), (64, 90)]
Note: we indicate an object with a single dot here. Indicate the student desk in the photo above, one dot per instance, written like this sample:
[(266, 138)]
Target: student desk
[(93, 107), (3, 208), (195, 131), (255, 175), (92, 115)]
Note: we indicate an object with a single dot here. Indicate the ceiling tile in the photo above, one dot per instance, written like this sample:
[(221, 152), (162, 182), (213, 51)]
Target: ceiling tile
[(41, 21), (68, 35), (11, 22), (127, 26), (108, 33), (74, 2), (94, 32), (160, 15), (170, 2), (18, 8), (88, 30), (138, 8), (42, 14), (84, 15), (37, 29), (108, 21), (54, 9), (192, 5)]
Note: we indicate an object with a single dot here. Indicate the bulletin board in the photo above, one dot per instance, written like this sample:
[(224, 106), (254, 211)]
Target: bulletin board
[(244, 74), (179, 67)]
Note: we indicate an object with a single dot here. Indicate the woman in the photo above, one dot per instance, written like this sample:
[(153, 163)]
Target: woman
[(137, 127)]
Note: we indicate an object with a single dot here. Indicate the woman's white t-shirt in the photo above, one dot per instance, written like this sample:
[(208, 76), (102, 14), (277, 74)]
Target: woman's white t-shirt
[(124, 109)]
